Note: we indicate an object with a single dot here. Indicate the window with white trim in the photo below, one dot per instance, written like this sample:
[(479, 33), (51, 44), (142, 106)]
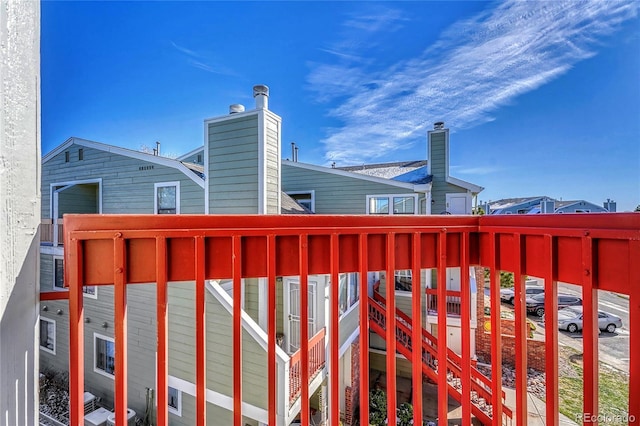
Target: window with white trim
[(392, 204), (166, 198), (348, 292), (174, 400), (58, 279), (104, 355), (305, 198), (58, 273), (48, 335)]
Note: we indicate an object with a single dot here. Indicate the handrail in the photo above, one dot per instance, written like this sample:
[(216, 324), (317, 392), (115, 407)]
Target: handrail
[(316, 363), (432, 351)]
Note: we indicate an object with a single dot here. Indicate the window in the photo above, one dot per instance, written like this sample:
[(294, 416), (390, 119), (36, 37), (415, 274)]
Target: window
[(305, 198), (175, 401), (199, 158), (58, 279), (81, 154), (58, 273), (90, 291), (167, 198), (104, 355), (66, 156), (348, 292), (48, 335), (583, 211), (392, 204)]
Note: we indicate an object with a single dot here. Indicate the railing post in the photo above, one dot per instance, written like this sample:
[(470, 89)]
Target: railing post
[(271, 327), (121, 396), (304, 329), (634, 332), (76, 332), (496, 332), (443, 406), (364, 328), (416, 330), (520, 332), (391, 329), (201, 334), (465, 318), (163, 330), (334, 341), (551, 333), (590, 362)]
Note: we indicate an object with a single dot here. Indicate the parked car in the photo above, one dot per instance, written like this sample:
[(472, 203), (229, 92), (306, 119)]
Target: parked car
[(508, 294), (535, 304), (570, 319)]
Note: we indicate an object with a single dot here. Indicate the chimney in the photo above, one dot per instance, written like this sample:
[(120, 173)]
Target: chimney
[(610, 205), (438, 125), (157, 148), (261, 93), (236, 108)]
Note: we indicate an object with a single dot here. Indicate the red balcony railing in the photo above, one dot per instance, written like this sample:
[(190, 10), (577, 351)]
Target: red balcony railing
[(317, 360), (453, 299), (595, 251)]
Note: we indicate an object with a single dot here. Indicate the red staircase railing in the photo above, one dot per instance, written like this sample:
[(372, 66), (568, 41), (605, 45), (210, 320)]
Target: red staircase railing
[(480, 384), (593, 251), (317, 361)]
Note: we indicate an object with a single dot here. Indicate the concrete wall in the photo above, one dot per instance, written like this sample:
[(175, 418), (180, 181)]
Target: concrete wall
[(19, 210)]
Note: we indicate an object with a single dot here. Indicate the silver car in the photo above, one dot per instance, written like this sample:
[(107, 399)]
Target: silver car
[(570, 319), (508, 294)]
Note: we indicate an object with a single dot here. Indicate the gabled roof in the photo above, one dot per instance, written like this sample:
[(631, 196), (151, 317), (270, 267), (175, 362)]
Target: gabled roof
[(339, 172), (163, 161), (506, 203), (190, 153)]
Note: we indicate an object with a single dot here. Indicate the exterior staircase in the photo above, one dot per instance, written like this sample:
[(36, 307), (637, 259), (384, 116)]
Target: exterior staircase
[(480, 384)]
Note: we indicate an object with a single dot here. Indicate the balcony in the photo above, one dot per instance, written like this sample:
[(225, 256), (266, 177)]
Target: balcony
[(51, 232), (596, 252)]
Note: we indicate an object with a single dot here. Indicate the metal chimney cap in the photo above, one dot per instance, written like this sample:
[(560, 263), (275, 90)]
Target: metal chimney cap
[(236, 108), (260, 89), (438, 125)]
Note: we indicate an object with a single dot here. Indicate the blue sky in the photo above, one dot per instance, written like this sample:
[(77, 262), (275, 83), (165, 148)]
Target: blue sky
[(542, 98)]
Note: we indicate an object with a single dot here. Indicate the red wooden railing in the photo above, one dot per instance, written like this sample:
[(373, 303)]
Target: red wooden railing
[(594, 251), (453, 300), (317, 360)]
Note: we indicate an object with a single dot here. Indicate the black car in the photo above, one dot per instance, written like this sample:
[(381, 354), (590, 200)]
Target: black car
[(535, 304)]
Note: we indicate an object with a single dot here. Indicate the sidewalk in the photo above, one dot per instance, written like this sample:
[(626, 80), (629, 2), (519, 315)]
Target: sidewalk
[(536, 409)]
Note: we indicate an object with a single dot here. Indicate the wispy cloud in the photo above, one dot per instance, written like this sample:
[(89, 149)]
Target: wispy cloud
[(475, 170), (476, 66), (201, 61)]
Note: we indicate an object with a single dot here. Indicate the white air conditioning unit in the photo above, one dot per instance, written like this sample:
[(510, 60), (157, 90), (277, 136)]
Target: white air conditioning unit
[(97, 417), (89, 403), (131, 418)]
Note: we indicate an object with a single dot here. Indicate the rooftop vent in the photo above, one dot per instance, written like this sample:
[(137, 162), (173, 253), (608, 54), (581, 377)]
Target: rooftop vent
[(438, 125), (236, 108), (261, 93)]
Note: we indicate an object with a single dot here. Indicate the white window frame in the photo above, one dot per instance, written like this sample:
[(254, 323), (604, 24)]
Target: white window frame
[(53, 277), (165, 185), (312, 197), (95, 357), (84, 293), (390, 197), (44, 348), (177, 411), (349, 307)]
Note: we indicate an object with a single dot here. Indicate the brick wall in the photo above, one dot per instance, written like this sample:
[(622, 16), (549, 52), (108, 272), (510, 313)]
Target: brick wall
[(535, 348), (352, 392)]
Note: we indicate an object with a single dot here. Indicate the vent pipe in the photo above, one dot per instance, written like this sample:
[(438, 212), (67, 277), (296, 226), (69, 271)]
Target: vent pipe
[(261, 93), (236, 108), (157, 150)]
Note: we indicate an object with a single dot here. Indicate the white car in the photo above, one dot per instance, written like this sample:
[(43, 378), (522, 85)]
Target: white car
[(570, 319), (508, 294)]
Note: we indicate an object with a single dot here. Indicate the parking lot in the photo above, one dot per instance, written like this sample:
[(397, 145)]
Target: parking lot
[(613, 347)]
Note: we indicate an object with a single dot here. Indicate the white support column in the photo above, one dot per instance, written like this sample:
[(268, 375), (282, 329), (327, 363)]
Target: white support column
[(19, 210)]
